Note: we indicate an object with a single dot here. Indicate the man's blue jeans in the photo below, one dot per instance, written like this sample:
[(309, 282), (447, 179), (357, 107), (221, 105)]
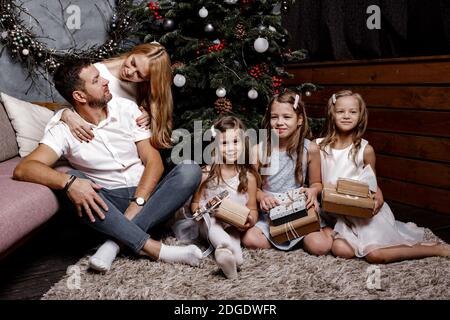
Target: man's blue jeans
[(169, 195)]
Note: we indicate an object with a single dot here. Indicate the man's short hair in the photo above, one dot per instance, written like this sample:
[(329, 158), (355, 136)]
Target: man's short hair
[(67, 77)]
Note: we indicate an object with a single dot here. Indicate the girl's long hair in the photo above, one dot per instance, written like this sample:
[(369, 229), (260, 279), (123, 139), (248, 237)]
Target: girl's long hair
[(215, 173), (156, 94), (296, 141), (330, 130)]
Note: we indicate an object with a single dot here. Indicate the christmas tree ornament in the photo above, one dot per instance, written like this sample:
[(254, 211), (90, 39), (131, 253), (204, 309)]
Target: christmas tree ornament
[(168, 24), (25, 52), (209, 28), (223, 105), (221, 92), (261, 45), (231, 1), (179, 80), (240, 31), (203, 12), (308, 93), (283, 40), (252, 94), (261, 27)]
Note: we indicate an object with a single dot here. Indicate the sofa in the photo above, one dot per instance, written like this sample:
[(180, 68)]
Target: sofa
[(25, 207)]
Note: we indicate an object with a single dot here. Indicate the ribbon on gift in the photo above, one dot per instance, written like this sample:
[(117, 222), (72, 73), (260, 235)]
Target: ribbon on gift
[(290, 230)]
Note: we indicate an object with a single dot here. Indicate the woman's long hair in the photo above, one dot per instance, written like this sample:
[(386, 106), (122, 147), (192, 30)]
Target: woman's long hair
[(296, 141), (156, 94), (215, 175), (330, 130)]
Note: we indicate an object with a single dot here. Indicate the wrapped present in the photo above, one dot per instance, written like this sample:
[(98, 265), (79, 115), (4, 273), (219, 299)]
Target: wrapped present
[(292, 205), (345, 204), (211, 204), (232, 213), (296, 228), (352, 187)]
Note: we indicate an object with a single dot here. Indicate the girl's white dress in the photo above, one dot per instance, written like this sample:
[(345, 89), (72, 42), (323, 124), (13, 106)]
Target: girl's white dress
[(365, 234)]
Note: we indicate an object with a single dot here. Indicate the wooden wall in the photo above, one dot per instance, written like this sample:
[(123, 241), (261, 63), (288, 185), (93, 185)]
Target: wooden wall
[(409, 121)]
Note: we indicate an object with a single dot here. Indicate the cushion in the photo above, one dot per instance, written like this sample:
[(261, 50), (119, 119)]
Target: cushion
[(28, 120), (8, 144), (25, 205)]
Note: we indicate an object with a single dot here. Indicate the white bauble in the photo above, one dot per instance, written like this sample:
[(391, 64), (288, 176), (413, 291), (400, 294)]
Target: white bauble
[(261, 45), (221, 92), (179, 80), (252, 94), (203, 12), (25, 52)]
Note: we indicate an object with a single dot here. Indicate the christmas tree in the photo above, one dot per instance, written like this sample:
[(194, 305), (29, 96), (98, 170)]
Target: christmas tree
[(228, 56)]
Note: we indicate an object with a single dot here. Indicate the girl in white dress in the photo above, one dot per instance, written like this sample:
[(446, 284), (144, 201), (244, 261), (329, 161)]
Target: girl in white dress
[(230, 170), (344, 154)]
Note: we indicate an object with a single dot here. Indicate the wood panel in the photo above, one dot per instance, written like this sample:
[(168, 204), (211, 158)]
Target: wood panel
[(389, 73), (424, 148), (416, 195), (421, 98), (425, 123), (422, 172)]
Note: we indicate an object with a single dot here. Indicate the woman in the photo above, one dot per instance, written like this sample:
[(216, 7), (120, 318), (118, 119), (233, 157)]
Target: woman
[(143, 75)]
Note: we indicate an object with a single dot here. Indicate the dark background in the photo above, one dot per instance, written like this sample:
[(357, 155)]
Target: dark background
[(337, 29)]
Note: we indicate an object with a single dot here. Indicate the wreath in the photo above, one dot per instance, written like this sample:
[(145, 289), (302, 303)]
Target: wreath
[(25, 47)]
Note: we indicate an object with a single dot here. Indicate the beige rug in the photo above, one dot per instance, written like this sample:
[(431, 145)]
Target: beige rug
[(265, 274)]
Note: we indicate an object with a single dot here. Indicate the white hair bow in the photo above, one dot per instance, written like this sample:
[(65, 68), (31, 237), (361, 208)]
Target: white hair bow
[(333, 98), (213, 131), (297, 99)]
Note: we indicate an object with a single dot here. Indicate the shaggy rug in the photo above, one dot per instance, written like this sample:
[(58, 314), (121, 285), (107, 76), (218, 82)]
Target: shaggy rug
[(265, 274)]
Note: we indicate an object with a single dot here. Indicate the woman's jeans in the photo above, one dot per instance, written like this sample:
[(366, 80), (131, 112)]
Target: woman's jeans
[(169, 195)]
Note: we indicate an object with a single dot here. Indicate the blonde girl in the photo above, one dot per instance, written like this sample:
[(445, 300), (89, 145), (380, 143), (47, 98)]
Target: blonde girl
[(293, 162), (344, 153)]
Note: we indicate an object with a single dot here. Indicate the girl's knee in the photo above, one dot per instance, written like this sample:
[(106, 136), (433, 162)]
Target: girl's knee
[(317, 243), (255, 239), (341, 249), (375, 257)]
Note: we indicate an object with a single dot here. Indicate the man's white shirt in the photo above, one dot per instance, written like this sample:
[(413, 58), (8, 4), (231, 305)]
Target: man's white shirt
[(111, 159)]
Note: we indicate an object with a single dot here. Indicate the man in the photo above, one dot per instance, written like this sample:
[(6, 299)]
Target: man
[(115, 185)]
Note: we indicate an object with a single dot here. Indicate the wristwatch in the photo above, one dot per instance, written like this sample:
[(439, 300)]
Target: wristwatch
[(139, 201)]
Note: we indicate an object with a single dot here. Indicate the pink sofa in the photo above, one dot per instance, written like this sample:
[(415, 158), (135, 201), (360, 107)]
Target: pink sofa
[(24, 207)]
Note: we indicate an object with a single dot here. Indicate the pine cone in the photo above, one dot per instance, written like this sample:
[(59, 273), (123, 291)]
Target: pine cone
[(223, 105), (240, 32)]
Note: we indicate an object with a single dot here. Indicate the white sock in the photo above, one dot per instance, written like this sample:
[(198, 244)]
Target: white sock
[(236, 248), (226, 261), (104, 257), (188, 254)]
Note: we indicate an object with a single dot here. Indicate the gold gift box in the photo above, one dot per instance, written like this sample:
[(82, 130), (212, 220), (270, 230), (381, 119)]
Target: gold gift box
[(352, 187), (345, 204), (296, 228), (232, 213)]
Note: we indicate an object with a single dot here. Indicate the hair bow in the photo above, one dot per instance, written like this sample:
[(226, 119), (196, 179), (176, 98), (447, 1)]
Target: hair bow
[(333, 98), (213, 131), (297, 99)]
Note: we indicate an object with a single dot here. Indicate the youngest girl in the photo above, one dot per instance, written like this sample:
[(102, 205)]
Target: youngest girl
[(230, 170)]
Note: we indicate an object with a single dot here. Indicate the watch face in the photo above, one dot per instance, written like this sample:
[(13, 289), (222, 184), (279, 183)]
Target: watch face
[(140, 201)]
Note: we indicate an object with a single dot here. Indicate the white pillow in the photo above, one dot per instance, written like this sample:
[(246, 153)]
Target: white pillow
[(28, 121)]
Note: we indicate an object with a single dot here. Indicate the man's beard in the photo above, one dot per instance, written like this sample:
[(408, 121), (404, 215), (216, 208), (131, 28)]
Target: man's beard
[(98, 103)]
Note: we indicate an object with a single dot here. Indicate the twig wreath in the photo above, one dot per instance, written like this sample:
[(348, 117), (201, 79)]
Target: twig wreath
[(38, 58)]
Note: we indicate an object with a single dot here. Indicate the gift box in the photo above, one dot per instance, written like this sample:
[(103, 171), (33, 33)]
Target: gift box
[(296, 228), (292, 206), (345, 204), (232, 213), (210, 205), (352, 187)]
